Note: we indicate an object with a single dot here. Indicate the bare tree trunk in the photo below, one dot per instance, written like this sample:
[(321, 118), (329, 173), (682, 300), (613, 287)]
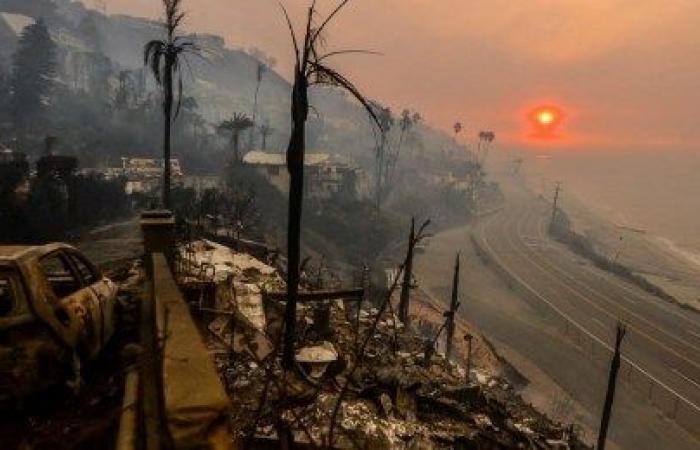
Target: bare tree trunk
[(612, 383), (168, 117), (236, 147), (404, 304), (454, 305), (195, 136), (378, 177), (295, 166), (251, 138)]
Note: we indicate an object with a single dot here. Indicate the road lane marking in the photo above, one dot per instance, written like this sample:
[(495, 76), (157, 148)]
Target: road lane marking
[(678, 372), (628, 300), (692, 333), (633, 290), (569, 319), (543, 266), (600, 322)]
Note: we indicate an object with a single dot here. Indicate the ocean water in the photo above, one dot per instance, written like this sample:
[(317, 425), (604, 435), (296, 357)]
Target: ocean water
[(658, 191)]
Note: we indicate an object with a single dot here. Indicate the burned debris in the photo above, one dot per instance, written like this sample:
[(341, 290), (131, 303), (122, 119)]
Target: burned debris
[(212, 339), (362, 379)]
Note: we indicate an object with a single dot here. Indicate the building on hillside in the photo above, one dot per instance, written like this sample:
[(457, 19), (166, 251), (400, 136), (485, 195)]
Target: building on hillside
[(144, 175), (325, 176), (150, 167)]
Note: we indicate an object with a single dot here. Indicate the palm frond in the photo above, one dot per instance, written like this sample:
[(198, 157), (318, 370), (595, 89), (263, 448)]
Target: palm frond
[(326, 75), (314, 58), (226, 125), (151, 48), (156, 67), (238, 122), (347, 52), (291, 31), (308, 46), (325, 23)]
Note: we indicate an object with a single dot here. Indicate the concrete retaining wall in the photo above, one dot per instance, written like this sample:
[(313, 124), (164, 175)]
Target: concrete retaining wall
[(195, 401)]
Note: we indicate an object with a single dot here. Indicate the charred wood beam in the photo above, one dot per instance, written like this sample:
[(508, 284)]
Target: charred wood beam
[(319, 296)]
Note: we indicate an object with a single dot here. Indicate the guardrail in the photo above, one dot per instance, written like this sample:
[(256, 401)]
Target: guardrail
[(671, 403)]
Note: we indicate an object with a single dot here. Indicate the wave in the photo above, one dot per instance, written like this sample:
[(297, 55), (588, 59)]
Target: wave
[(683, 253)]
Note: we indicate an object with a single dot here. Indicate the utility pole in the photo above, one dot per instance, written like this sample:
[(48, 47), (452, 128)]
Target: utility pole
[(450, 315), (612, 382), (405, 299), (468, 337), (620, 249), (555, 205)]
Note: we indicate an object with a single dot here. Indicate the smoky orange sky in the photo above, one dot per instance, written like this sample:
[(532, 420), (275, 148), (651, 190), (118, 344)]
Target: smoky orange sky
[(625, 73)]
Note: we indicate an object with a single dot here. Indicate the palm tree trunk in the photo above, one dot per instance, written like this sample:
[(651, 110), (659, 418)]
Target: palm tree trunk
[(379, 184), (295, 166), (255, 115), (168, 115), (195, 135), (236, 147)]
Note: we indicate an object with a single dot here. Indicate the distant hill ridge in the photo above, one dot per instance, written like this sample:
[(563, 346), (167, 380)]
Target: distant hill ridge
[(221, 83)]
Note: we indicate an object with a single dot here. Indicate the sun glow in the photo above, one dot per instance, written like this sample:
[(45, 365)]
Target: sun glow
[(545, 122), (545, 117)]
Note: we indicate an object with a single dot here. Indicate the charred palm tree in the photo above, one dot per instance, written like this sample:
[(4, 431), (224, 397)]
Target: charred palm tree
[(310, 69), (164, 58), (265, 132), (235, 126), (383, 156), (485, 140), (457, 127), (260, 72), (406, 123)]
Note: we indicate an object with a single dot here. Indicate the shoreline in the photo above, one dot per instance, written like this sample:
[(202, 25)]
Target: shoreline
[(673, 268)]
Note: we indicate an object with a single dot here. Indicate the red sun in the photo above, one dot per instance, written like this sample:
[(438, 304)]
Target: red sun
[(545, 120)]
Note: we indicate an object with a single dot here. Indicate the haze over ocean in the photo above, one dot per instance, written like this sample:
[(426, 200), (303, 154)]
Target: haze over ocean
[(655, 190)]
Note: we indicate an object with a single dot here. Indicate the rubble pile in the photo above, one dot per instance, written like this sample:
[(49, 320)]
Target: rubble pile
[(362, 380)]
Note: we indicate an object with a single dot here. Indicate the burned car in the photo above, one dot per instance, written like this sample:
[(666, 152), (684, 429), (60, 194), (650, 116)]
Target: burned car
[(56, 311)]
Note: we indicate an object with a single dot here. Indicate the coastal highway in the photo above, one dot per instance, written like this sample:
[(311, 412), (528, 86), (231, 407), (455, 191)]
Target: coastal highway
[(662, 346)]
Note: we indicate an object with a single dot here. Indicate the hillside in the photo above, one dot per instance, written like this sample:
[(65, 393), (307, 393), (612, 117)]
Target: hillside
[(222, 81)]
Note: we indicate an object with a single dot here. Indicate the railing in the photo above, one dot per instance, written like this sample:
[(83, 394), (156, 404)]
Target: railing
[(670, 402)]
